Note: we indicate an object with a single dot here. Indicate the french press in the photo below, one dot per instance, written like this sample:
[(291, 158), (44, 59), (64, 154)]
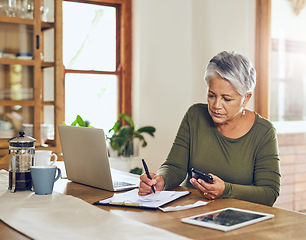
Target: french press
[(21, 151)]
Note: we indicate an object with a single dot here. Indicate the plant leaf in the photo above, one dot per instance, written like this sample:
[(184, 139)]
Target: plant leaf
[(117, 142), (74, 123), (136, 170), (87, 123), (144, 144), (116, 127), (126, 131), (80, 121), (128, 119), (147, 129), (141, 138)]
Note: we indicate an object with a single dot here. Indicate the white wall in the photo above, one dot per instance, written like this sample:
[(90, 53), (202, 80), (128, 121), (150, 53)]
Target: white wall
[(173, 40)]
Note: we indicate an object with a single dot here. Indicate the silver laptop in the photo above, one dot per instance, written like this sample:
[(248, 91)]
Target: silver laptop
[(86, 160)]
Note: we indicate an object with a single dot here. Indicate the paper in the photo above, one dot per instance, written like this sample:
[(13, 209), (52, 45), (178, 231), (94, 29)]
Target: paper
[(150, 201), (178, 208)]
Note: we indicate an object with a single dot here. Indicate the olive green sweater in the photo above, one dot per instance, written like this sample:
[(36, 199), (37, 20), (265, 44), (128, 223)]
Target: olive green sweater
[(248, 165)]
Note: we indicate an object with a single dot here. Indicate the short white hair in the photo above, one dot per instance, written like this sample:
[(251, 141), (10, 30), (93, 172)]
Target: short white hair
[(235, 68)]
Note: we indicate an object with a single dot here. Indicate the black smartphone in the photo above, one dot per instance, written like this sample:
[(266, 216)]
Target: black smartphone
[(198, 174)]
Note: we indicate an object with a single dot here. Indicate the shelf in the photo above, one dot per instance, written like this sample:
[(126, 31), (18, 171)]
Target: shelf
[(34, 79), (17, 102), (25, 21), (14, 61), (16, 20)]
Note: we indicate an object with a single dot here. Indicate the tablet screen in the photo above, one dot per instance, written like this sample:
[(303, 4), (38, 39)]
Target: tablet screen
[(227, 219)]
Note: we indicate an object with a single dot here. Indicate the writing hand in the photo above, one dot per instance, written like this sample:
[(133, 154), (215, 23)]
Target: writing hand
[(145, 184), (209, 190)]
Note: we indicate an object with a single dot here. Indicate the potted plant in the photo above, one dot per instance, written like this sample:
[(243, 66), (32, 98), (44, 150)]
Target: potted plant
[(124, 139)]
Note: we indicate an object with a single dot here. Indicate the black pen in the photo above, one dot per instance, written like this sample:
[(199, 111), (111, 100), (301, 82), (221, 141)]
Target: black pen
[(147, 172)]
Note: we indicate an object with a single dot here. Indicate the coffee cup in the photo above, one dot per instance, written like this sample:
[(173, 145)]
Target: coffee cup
[(43, 157), (43, 178)]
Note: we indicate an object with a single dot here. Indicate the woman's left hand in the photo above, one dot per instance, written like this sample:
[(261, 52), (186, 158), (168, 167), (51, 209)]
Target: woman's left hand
[(209, 190)]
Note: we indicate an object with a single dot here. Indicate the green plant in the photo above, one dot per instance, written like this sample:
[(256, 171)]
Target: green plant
[(122, 136), (80, 122), (136, 170)]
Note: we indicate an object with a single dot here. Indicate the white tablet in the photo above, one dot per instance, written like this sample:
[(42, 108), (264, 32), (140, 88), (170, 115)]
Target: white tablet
[(227, 219)]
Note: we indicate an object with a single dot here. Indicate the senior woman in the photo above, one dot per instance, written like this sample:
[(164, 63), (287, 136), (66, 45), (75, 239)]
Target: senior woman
[(235, 145)]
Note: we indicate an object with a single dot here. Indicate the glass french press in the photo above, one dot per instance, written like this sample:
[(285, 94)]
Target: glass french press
[(22, 152)]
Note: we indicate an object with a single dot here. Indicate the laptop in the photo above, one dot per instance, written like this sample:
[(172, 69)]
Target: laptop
[(86, 160)]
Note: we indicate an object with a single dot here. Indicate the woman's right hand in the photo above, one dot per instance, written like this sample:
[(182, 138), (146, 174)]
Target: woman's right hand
[(145, 184)]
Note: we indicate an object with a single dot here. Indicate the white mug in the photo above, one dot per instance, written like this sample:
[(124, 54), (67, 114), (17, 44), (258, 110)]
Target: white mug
[(43, 157)]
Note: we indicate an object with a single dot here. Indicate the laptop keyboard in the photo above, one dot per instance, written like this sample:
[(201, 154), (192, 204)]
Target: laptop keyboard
[(121, 184)]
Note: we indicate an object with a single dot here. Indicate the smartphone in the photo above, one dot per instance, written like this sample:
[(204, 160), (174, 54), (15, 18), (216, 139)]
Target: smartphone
[(198, 174)]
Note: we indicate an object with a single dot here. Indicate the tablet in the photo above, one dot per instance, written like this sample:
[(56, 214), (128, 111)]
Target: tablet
[(227, 219)]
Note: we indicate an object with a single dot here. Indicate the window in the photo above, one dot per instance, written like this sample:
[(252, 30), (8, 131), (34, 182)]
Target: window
[(282, 81), (97, 60)]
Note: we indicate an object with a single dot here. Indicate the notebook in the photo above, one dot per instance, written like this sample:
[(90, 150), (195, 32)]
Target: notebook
[(86, 160), (152, 201)]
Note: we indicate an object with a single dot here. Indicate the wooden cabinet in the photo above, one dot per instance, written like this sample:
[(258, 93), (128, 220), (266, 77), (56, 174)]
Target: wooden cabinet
[(31, 75)]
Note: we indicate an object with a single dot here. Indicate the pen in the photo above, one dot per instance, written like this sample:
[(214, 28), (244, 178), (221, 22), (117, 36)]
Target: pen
[(147, 172)]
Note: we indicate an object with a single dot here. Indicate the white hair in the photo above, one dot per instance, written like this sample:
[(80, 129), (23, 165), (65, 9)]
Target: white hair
[(235, 68)]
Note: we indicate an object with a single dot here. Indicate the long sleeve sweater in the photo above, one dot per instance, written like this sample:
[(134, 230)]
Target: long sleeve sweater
[(248, 165)]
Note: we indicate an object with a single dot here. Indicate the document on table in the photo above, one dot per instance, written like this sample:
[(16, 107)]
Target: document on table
[(179, 208), (152, 201)]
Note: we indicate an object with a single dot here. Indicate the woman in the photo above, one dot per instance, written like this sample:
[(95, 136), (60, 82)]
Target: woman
[(235, 145)]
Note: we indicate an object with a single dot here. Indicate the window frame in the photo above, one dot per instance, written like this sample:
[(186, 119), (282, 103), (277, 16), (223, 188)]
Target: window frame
[(262, 56), (124, 53), (263, 47)]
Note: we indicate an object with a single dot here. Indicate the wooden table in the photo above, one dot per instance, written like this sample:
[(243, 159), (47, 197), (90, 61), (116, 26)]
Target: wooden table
[(285, 224)]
